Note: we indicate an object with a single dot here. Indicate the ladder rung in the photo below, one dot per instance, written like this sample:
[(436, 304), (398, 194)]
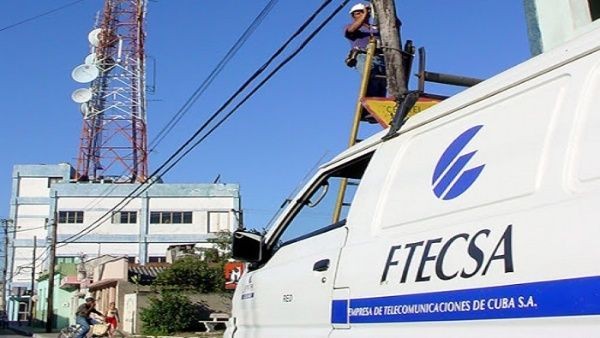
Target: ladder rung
[(367, 117)]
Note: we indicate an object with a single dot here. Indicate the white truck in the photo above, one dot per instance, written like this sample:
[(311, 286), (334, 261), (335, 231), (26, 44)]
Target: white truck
[(480, 218)]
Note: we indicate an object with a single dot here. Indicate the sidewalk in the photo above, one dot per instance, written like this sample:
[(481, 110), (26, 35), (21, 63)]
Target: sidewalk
[(39, 332), (26, 330), (45, 335)]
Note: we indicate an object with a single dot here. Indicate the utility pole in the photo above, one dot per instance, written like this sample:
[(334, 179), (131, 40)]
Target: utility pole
[(5, 268), (33, 259), (50, 302), (389, 28)]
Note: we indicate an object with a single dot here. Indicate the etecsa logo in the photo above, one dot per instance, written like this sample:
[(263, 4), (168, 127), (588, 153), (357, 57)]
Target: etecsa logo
[(450, 179)]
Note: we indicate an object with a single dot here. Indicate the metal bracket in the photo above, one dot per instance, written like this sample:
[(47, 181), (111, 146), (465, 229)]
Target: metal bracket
[(405, 104)]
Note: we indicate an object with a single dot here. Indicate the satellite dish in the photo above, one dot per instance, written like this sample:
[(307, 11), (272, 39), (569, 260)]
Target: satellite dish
[(91, 59), (85, 110), (94, 37), (85, 73), (81, 95)]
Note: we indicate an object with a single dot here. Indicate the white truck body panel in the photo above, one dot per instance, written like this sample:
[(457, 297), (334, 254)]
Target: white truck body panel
[(481, 219)]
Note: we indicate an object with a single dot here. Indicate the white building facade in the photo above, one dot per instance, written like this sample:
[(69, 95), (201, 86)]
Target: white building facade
[(88, 223)]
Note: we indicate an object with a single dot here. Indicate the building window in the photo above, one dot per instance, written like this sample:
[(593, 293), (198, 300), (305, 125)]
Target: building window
[(52, 180), (71, 259), (171, 217), (70, 217), (218, 221), (131, 259), (124, 217), (157, 259)]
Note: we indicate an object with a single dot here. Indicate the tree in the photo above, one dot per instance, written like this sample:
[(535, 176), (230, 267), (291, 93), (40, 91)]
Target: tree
[(192, 273), (170, 313), (220, 252), (200, 271)]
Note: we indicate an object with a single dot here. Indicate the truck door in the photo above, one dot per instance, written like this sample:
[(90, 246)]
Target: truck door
[(290, 295)]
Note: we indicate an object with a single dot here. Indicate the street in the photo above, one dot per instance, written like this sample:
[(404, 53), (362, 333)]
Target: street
[(9, 334)]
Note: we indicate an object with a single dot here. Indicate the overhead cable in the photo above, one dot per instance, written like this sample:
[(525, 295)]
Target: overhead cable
[(40, 15), (17, 269), (199, 91), (213, 74), (176, 157), (26, 229)]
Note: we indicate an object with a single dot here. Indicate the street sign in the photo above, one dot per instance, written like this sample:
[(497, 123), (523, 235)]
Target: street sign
[(233, 272)]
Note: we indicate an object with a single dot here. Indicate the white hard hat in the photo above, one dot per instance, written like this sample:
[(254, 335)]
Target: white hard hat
[(358, 7)]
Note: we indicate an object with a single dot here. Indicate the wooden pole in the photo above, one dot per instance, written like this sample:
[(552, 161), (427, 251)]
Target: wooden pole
[(5, 270), (33, 259), (50, 302), (389, 28)]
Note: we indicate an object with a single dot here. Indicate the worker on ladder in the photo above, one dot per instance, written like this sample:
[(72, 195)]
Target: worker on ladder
[(360, 32)]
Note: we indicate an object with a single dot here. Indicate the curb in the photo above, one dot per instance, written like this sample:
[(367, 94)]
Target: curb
[(200, 335), (19, 331)]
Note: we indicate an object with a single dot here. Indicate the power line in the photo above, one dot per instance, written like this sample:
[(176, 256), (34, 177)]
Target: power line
[(93, 226), (265, 80), (200, 90), (210, 78), (246, 84), (28, 229), (17, 269), (40, 15), (183, 147)]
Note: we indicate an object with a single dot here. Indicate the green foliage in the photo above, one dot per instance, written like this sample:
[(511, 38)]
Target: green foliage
[(172, 312), (222, 242), (200, 271), (192, 273)]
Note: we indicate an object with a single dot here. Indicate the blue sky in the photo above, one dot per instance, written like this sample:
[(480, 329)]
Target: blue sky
[(302, 115)]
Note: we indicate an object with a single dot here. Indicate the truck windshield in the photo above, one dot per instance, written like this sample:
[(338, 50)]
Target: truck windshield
[(315, 210)]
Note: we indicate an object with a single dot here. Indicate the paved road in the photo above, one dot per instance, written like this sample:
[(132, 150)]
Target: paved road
[(9, 334)]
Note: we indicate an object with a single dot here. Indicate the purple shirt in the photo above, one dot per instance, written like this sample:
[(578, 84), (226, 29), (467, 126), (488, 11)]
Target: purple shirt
[(360, 38)]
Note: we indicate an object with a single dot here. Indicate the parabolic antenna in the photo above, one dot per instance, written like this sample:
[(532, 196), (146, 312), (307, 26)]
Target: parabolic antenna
[(82, 95), (91, 59), (85, 73), (94, 37), (85, 110)]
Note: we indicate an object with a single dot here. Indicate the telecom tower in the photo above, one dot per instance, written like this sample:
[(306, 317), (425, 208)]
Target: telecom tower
[(113, 138)]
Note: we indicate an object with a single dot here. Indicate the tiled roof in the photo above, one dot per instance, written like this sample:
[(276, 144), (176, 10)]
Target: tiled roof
[(145, 274), (103, 283)]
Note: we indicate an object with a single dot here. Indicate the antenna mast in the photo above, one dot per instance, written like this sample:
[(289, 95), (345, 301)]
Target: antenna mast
[(113, 138)]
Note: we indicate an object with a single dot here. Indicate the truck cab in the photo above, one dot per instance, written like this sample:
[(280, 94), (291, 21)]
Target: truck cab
[(479, 217)]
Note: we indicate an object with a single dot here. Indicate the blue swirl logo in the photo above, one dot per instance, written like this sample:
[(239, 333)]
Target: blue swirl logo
[(450, 179)]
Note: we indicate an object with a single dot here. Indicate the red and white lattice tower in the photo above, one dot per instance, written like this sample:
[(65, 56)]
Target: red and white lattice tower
[(114, 139)]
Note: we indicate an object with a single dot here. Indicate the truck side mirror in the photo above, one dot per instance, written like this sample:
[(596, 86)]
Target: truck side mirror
[(247, 246)]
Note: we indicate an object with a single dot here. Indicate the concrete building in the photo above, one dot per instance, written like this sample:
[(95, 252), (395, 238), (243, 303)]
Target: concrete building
[(88, 223), (63, 308), (128, 285)]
